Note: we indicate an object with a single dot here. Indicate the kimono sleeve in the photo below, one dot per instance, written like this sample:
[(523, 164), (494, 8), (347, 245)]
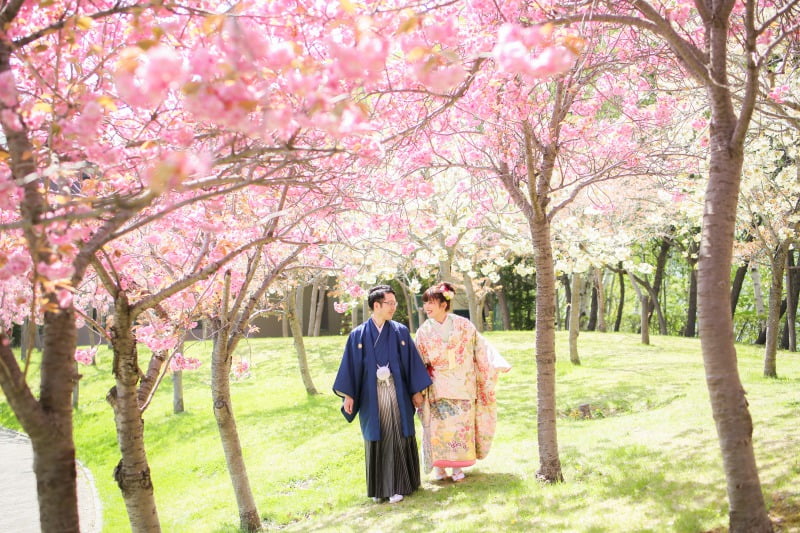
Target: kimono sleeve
[(419, 379), (348, 378)]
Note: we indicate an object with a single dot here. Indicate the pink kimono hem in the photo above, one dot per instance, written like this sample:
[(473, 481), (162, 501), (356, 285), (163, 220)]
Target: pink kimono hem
[(453, 464)]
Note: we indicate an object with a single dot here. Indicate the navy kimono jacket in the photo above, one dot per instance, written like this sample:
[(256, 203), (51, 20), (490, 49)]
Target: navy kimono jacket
[(366, 349)]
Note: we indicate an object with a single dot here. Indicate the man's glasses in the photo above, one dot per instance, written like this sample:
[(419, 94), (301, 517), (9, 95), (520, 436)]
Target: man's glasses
[(393, 304)]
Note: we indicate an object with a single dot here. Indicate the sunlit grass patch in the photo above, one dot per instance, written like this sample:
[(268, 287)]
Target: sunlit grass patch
[(646, 458)]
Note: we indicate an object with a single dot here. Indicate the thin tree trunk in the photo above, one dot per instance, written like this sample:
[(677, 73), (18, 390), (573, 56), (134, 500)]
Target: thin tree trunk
[(285, 322), (221, 360), (409, 307), (177, 392), (320, 310), (792, 293), (658, 277), (475, 310), (691, 311), (601, 300), (312, 309), (758, 295), (593, 302), (299, 346), (502, 303), (575, 318), (133, 472), (621, 306), (177, 386), (567, 284), (736, 287), (644, 324), (77, 388), (774, 311)]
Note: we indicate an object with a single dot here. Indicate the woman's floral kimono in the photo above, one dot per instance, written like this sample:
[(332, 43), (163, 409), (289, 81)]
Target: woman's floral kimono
[(459, 413)]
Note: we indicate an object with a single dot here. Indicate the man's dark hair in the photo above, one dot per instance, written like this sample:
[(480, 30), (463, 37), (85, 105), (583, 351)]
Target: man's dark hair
[(378, 293)]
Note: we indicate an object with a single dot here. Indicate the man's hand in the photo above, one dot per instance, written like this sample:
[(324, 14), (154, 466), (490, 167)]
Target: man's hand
[(417, 399), (348, 404)]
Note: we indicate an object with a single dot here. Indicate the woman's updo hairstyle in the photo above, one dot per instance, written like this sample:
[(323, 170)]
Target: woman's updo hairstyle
[(441, 292)]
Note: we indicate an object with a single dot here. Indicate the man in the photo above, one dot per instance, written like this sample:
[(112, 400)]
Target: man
[(381, 377)]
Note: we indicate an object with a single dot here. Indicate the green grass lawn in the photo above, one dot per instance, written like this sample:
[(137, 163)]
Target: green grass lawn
[(647, 460)]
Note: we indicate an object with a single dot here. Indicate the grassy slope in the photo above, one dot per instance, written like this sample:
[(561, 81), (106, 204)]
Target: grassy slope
[(648, 460)]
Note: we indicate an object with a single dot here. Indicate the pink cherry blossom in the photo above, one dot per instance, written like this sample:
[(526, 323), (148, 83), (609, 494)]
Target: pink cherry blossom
[(85, 356), (56, 271)]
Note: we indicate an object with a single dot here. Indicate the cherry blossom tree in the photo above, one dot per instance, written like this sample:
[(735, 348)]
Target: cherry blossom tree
[(723, 46)]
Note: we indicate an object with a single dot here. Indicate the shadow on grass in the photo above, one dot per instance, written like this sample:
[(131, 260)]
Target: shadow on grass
[(471, 499)]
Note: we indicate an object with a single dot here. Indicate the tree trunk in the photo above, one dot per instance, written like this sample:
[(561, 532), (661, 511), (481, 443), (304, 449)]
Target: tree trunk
[(567, 284), (658, 278), (502, 303), (549, 461), (758, 294), (601, 300), (593, 305), (320, 310), (728, 403), (409, 307), (299, 345), (48, 420), (575, 317), (792, 294), (620, 307), (475, 310), (221, 360), (77, 388), (691, 311), (774, 312), (736, 287), (177, 391), (133, 472), (312, 309), (644, 323), (285, 322)]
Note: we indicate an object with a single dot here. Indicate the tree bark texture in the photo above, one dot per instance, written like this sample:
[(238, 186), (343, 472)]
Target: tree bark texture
[(249, 519), (549, 461), (133, 472), (728, 403)]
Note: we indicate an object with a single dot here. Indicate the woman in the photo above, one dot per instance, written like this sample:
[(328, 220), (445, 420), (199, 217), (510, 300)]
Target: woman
[(459, 413)]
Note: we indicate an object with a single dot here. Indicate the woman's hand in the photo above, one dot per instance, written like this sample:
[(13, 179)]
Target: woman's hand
[(348, 404)]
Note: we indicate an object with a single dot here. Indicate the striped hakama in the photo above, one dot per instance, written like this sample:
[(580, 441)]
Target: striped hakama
[(392, 462)]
